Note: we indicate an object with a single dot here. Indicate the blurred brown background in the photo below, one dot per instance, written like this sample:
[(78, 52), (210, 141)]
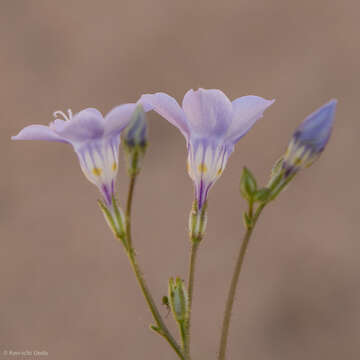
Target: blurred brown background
[(66, 285)]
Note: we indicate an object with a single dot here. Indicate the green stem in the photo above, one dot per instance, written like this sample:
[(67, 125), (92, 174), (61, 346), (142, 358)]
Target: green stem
[(234, 282), (183, 334), (193, 253), (161, 327), (128, 209)]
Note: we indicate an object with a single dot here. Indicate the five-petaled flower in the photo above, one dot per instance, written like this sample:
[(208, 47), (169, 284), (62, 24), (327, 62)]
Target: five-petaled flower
[(94, 138), (211, 125), (309, 139)]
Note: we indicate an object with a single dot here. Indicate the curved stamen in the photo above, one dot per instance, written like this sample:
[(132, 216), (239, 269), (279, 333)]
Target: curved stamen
[(61, 113)]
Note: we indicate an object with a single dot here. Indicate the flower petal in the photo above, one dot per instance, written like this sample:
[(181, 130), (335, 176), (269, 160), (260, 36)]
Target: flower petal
[(246, 111), (209, 112), (168, 108), (38, 132), (118, 118), (86, 125)]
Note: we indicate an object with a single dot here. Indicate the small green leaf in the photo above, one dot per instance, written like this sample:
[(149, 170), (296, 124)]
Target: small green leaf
[(248, 184), (156, 329)]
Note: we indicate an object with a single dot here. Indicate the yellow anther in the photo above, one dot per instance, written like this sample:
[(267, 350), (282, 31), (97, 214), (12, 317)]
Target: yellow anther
[(96, 171), (219, 172), (114, 166), (202, 168)]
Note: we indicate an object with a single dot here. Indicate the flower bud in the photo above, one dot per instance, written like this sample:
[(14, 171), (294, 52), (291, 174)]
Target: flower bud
[(309, 139), (178, 298), (306, 145), (135, 140)]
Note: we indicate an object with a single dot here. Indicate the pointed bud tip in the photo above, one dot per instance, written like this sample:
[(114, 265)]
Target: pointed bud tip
[(135, 133)]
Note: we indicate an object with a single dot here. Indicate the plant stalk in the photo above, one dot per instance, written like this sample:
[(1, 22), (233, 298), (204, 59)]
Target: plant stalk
[(234, 281)]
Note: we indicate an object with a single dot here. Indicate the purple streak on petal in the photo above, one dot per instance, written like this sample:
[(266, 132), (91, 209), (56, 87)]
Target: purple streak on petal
[(200, 194), (118, 118), (246, 111), (168, 108), (209, 112), (86, 125), (107, 194), (38, 132)]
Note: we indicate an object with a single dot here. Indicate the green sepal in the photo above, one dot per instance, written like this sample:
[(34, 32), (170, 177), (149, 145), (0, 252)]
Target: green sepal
[(248, 185), (279, 184), (178, 299), (197, 222), (276, 169), (119, 217), (109, 218), (116, 224)]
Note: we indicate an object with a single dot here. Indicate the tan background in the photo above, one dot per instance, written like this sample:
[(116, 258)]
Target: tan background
[(66, 286)]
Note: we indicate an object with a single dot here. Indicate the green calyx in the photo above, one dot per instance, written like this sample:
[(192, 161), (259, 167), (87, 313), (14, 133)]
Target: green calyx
[(178, 300), (115, 219), (197, 222)]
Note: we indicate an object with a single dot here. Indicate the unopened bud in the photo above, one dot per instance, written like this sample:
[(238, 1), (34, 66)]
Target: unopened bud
[(309, 139), (135, 140), (178, 298)]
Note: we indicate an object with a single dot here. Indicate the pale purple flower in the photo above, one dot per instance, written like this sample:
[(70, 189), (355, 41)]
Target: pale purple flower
[(94, 138), (310, 138), (211, 125)]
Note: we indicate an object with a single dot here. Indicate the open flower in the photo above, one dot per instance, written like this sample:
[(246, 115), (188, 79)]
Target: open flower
[(94, 138), (309, 139), (212, 125)]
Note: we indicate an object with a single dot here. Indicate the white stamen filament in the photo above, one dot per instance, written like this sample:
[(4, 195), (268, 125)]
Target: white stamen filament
[(61, 113)]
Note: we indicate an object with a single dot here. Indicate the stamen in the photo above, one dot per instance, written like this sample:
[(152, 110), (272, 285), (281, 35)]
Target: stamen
[(70, 114), (61, 113)]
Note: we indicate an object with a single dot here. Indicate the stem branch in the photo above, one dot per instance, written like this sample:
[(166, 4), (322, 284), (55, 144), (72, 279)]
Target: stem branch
[(161, 327)]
